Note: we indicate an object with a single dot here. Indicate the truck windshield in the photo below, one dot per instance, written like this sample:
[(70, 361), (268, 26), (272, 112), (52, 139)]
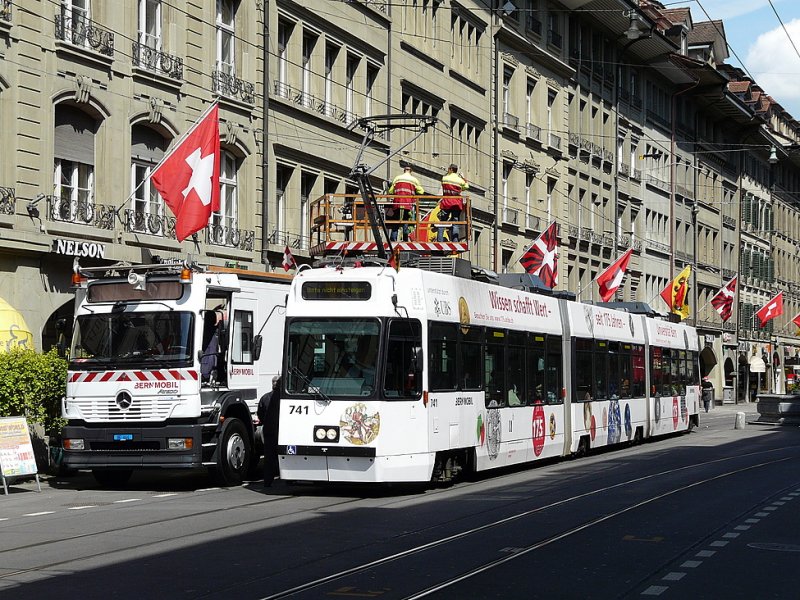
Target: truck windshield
[(147, 339), (332, 357)]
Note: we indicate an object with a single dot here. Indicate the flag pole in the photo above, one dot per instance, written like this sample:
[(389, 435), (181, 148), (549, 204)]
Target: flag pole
[(169, 153)]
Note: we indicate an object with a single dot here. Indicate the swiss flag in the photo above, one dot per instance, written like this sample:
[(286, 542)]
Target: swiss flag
[(770, 310), (288, 259), (188, 177), (610, 279), (541, 258), (723, 300)]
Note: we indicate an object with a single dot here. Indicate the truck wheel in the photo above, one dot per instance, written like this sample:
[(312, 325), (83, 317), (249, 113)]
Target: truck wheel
[(233, 453), (112, 478)]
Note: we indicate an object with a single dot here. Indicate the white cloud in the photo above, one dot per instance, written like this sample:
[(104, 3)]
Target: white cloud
[(776, 65)]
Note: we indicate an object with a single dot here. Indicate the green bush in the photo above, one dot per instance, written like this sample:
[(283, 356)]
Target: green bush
[(32, 384)]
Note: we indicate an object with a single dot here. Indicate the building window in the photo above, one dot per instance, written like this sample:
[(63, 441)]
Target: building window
[(73, 172), (331, 51), (350, 77), (225, 37), (225, 222), (147, 207), (284, 31), (76, 18), (309, 42), (150, 24), (369, 99)]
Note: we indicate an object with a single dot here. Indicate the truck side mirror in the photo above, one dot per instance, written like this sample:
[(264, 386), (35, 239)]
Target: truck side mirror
[(257, 343)]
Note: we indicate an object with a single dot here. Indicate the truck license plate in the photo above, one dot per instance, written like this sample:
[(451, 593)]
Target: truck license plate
[(123, 437)]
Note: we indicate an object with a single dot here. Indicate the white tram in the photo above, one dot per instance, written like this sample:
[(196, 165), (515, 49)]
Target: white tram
[(415, 375)]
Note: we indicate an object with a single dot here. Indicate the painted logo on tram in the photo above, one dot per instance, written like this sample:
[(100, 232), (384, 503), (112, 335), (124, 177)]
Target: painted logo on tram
[(674, 413), (358, 427), (493, 433), (537, 429), (463, 314), (481, 430), (628, 425), (552, 426), (614, 422)]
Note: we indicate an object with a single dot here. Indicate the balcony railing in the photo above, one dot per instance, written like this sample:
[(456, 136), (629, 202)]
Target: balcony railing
[(534, 132), (8, 201), (5, 10), (154, 60), (135, 221), (510, 216), (80, 31), (728, 221), (636, 174), (555, 141), (314, 104), (623, 169), (654, 245), (231, 86), (511, 121), (218, 235), (533, 223), (289, 238), (80, 213)]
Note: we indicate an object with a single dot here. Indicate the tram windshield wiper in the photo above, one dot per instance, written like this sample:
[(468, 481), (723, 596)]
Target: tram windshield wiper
[(310, 387)]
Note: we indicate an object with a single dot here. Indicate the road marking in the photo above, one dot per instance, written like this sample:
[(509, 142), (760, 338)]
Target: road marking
[(631, 538), (718, 544), (706, 553), (778, 503), (691, 564), (770, 508), (207, 489), (165, 495), (655, 590), (731, 535), (3, 518), (674, 576), (787, 498), (762, 514), (126, 500), (82, 507), (742, 527), (752, 520), (38, 514)]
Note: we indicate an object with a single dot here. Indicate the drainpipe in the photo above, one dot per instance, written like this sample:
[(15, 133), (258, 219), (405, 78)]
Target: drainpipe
[(265, 141)]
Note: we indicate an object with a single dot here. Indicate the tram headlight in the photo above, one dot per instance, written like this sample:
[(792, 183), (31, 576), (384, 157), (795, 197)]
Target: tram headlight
[(326, 433)]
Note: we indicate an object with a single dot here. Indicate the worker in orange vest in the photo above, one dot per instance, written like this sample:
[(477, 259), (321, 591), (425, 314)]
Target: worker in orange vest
[(451, 205), (403, 188)]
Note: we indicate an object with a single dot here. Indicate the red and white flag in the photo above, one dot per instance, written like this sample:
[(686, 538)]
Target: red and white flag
[(770, 310), (610, 279), (796, 321), (723, 300), (188, 176), (288, 259), (541, 258)]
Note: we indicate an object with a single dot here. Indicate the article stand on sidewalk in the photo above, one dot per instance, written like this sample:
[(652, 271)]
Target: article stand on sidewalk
[(16, 451)]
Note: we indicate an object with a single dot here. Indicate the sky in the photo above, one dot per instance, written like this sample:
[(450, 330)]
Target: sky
[(756, 37)]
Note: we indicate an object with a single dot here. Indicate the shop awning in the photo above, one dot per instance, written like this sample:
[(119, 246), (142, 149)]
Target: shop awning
[(14, 332), (757, 364)]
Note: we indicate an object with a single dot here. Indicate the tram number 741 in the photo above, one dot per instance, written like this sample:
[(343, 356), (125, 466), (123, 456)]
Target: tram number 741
[(298, 410)]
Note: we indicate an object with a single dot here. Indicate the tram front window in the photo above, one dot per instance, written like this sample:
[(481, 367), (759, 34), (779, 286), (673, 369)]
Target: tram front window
[(334, 357)]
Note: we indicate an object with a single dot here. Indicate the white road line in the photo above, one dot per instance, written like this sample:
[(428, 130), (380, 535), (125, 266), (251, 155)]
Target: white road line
[(742, 527), (787, 498), (674, 576), (691, 564), (731, 535), (207, 489), (706, 553), (126, 500), (3, 518), (165, 495), (778, 503), (770, 508), (655, 590), (752, 520), (762, 514), (82, 507), (718, 544), (38, 514)]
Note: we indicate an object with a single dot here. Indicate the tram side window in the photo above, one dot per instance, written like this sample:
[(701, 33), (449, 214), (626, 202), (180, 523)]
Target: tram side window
[(470, 367), (516, 368), (683, 374), (656, 371), (625, 365), (583, 370), (442, 365), (495, 368), (695, 367), (536, 369), (601, 370), (553, 378), (637, 366), (674, 378), (613, 370), (403, 368)]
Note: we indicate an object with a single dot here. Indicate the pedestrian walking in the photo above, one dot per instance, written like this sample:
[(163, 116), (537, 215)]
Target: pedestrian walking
[(403, 188), (452, 203), (707, 391), (268, 413)]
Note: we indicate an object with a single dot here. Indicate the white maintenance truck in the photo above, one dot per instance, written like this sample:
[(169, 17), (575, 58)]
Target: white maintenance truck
[(167, 366)]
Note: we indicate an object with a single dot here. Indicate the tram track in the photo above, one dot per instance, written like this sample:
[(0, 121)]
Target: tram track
[(519, 552)]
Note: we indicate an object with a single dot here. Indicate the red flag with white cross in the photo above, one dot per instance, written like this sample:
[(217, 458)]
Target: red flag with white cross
[(188, 177)]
